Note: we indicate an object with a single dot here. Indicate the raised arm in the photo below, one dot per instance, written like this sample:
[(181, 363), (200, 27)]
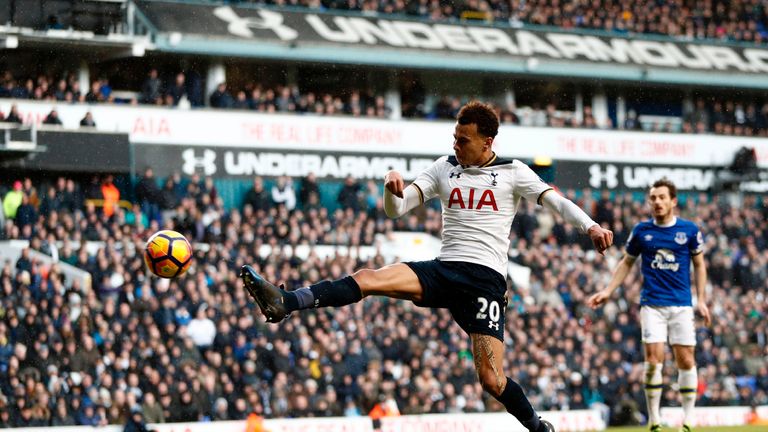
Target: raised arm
[(601, 237), (398, 199)]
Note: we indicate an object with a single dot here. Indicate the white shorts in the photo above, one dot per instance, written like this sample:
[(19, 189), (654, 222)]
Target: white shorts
[(677, 322)]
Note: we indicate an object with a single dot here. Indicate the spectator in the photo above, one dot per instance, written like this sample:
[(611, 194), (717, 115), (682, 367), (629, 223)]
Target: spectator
[(52, 118), (201, 329), (94, 94), (257, 197), (153, 412), (148, 195), (151, 89), (632, 122), (136, 421), (13, 200), (26, 215), (105, 89), (62, 416), (283, 193), (111, 195), (178, 90), (308, 187), (168, 195), (13, 115), (88, 415), (61, 90), (221, 98), (348, 195), (88, 121)]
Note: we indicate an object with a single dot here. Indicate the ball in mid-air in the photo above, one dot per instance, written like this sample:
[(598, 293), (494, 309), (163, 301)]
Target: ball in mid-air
[(168, 254)]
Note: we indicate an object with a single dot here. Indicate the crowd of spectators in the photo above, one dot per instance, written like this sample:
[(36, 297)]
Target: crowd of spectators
[(748, 117), (704, 116), (257, 97), (195, 348)]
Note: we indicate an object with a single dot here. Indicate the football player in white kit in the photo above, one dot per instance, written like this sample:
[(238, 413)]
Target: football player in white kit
[(479, 193)]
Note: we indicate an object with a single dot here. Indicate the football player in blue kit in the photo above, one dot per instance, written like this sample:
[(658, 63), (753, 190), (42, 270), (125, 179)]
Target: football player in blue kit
[(667, 245), (480, 194)]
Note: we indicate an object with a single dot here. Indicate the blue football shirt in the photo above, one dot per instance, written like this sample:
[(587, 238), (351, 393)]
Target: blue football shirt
[(666, 253)]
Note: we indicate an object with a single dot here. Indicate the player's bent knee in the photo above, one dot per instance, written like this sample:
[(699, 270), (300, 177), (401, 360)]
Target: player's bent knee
[(686, 363), (365, 278), (372, 281)]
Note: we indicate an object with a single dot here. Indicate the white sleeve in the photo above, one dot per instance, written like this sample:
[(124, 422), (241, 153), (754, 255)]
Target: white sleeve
[(394, 206), (428, 181), (528, 184), (568, 210)]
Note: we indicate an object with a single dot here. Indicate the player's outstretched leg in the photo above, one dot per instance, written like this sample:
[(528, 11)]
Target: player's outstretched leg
[(488, 353), (547, 426), (271, 299), (276, 303), (514, 400)]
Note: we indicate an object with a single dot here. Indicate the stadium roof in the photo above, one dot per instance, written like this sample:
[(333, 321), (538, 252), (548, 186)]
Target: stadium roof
[(250, 31)]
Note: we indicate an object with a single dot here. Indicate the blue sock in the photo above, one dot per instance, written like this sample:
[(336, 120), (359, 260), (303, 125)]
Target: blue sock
[(517, 404), (340, 292)]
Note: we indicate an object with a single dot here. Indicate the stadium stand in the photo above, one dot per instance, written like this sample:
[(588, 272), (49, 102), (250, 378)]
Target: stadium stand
[(735, 117), (195, 348)]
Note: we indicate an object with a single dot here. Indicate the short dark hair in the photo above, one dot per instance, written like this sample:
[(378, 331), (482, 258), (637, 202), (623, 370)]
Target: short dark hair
[(668, 183), (482, 115)]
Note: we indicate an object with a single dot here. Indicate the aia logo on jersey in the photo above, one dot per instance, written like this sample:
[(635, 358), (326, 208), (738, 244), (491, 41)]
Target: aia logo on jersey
[(487, 199)]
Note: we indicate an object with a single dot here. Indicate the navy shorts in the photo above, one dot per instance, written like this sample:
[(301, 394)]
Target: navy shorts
[(475, 294)]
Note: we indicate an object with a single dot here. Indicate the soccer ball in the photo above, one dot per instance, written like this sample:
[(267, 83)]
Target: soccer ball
[(168, 254)]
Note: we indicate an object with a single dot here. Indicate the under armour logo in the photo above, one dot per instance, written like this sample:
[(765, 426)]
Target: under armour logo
[(454, 174), (268, 20), (597, 176), (493, 325), (191, 162), (493, 176)]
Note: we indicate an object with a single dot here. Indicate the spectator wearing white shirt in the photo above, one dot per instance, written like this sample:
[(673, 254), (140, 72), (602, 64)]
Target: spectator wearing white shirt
[(201, 329), (283, 193)]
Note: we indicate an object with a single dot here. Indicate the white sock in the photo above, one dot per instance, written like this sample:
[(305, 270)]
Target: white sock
[(688, 382), (653, 387)]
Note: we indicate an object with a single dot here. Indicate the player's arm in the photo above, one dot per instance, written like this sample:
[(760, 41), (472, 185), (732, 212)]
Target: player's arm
[(398, 199), (700, 271), (574, 215), (619, 274)]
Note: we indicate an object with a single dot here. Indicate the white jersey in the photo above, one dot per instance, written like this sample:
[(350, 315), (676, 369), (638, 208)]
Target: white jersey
[(479, 204)]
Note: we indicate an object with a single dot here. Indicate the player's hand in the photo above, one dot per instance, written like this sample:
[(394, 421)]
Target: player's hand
[(602, 238), (598, 299), (703, 310), (394, 183)]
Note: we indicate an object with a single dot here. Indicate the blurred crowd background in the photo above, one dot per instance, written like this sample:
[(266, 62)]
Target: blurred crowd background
[(195, 348)]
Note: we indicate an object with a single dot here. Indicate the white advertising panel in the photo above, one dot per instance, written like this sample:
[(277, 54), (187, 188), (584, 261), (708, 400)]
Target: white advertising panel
[(211, 128), (564, 421)]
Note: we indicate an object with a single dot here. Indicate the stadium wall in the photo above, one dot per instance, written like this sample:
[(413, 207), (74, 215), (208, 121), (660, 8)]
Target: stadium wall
[(227, 133), (565, 421)]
